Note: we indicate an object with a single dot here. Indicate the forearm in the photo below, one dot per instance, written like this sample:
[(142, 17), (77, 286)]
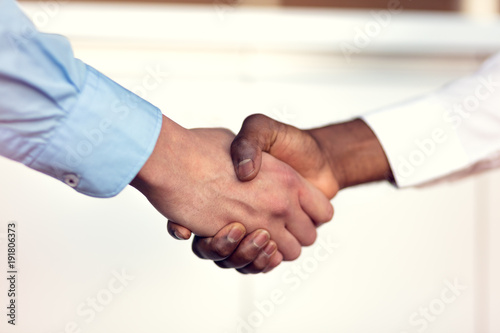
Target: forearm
[(353, 152)]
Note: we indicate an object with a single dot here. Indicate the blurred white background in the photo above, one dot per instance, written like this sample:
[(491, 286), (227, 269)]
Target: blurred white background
[(386, 263)]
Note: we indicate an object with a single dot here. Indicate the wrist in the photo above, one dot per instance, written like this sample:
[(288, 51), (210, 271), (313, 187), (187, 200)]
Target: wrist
[(353, 152), (169, 146)]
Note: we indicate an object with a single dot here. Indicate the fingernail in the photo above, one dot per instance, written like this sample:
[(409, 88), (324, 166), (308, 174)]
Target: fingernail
[(178, 235), (270, 249), (261, 239), (235, 234), (245, 167)]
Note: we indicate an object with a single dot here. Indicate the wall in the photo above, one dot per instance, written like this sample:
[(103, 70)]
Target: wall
[(387, 256)]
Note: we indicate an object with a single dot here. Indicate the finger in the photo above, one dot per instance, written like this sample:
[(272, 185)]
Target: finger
[(288, 245), (222, 245), (262, 261), (248, 250), (275, 261), (178, 231), (302, 228), (314, 203), (257, 134)]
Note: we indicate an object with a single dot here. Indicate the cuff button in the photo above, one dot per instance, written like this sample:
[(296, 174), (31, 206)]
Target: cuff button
[(71, 180)]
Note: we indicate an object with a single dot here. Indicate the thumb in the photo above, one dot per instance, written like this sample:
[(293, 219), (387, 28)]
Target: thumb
[(258, 133)]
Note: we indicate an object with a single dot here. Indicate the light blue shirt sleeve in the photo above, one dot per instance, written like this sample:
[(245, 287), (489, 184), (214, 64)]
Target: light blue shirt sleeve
[(62, 117)]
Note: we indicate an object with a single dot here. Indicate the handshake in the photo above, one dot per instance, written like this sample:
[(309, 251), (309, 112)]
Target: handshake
[(260, 209)]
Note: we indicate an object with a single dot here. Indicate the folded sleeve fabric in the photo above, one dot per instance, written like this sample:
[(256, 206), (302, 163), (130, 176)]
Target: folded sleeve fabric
[(63, 118), (450, 133)]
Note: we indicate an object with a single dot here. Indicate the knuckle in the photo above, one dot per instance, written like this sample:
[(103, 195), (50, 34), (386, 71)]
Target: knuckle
[(227, 131), (310, 238), (255, 119), (292, 255), (328, 216), (222, 249), (260, 265), (247, 256), (223, 130), (240, 145), (281, 208)]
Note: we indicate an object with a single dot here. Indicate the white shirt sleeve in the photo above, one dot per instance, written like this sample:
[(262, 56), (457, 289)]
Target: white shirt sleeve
[(454, 131)]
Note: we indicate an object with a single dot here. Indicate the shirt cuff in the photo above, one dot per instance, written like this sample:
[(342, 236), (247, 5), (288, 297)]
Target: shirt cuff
[(103, 142), (420, 141)]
